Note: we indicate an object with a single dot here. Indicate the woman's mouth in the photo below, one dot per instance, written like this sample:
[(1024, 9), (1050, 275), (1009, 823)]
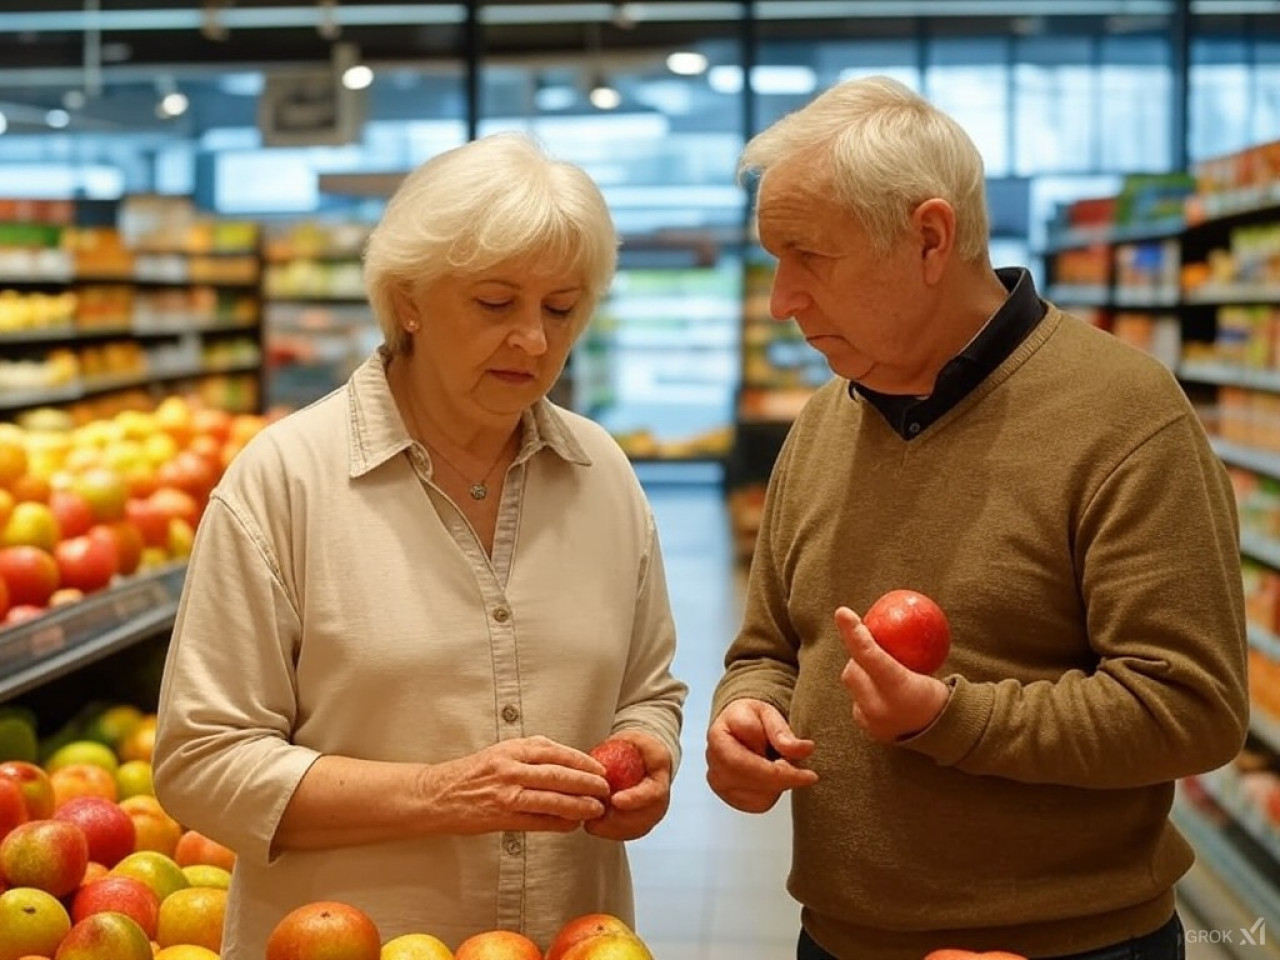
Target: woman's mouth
[(513, 376)]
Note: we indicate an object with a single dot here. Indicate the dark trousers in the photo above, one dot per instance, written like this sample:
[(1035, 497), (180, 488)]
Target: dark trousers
[(1163, 944)]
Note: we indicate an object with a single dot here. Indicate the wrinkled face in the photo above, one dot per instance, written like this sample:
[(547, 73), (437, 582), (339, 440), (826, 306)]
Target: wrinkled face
[(496, 341), (864, 312)]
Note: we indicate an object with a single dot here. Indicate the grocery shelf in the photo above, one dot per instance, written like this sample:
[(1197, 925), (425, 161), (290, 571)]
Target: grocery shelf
[(23, 399), (69, 637), (1226, 295), (1260, 461), (1226, 849), (1228, 375), (1266, 728), (1266, 643), (1261, 548), (171, 328)]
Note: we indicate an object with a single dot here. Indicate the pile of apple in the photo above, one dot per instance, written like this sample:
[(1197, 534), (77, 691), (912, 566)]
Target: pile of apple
[(327, 929), (92, 866), (83, 505)]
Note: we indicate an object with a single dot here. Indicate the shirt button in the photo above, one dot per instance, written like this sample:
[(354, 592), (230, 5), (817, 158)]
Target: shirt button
[(502, 614), (913, 429), (511, 843), (510, 714)]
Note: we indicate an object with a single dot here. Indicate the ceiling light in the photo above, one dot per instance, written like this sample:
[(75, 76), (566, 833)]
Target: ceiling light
[(604, 97), (57, 119), (687, 63), (73, 99), (173, 104), (4, 123), (357, 77)]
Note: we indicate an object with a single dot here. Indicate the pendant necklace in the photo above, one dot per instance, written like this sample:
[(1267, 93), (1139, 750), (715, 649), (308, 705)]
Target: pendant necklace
[(479, 489)]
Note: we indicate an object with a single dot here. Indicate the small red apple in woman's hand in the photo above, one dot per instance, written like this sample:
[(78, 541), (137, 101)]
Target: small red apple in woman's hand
[(623, 765), (911, 628)]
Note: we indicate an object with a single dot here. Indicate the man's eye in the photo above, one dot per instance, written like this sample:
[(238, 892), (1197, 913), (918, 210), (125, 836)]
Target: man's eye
[(494, 305), (561, 312)]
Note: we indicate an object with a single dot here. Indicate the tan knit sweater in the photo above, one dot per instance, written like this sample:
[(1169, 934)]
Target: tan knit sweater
[(1072, 521)]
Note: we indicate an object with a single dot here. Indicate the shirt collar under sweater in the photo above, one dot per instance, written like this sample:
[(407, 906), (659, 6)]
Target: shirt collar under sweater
[(377, 432), (1007, 328)]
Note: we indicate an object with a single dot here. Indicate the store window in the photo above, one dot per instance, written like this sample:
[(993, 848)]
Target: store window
[(659, 365), (1055, 113)]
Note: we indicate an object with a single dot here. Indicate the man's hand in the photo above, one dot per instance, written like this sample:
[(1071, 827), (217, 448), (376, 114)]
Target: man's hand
[(742, 767), (889, 701)]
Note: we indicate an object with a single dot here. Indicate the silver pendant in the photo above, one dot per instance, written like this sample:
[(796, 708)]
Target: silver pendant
[(479, 491)]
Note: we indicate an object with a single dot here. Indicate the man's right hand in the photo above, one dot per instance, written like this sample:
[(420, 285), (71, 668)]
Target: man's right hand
[(752, 755)]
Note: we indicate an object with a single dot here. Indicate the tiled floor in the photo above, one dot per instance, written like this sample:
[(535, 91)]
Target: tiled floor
[(709, 880)]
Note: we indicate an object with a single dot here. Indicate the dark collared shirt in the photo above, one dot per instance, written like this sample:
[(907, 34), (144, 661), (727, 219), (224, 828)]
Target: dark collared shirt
[(1017, 316)]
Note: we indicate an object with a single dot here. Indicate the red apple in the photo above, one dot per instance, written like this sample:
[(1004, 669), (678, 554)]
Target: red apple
[(87, 563), (30, 573), (911, 628), (13, 808), (121, 894), (72, 511), (4, 599), (34, 784), (173, 502), (582, 928), (108, 829), (127, 540), (150, 520), (107, 934), (609, 946), (622, 761), (50, 855)]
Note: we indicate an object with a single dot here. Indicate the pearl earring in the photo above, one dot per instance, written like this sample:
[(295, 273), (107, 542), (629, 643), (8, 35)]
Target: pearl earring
[(412, 326)]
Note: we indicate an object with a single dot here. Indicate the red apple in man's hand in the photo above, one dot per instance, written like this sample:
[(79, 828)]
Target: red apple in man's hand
[(622, 762), (911, 628)]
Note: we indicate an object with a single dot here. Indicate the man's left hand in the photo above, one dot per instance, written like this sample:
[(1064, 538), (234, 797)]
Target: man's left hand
[(890, 702)]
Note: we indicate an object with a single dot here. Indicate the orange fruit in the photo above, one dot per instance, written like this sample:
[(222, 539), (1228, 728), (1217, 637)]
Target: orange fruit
[(192, 916)]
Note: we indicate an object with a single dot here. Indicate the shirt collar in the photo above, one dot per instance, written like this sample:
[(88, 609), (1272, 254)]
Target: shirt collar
[(377, 433)]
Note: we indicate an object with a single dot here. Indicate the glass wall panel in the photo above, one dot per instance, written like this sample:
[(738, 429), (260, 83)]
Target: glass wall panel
[(1134, 96), (1055, 104), (968, 77), (659, 365)]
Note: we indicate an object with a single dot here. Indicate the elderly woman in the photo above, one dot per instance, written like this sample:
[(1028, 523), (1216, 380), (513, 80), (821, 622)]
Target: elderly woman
[(415, 604)]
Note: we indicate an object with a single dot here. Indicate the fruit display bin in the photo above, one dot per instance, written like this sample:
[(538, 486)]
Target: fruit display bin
[(65, 640)]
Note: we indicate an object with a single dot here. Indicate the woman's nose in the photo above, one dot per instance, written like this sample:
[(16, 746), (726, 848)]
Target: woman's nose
[(530, 335)]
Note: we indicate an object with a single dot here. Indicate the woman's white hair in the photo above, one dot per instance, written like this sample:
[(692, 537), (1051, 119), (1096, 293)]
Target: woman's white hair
[(883, 150), (493, 200)]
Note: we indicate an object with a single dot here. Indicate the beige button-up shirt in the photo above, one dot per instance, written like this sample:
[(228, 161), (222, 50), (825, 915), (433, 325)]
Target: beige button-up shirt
[(337, 603)]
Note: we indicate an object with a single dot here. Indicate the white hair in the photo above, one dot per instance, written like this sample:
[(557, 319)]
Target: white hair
[(883, 150), (492, 200)]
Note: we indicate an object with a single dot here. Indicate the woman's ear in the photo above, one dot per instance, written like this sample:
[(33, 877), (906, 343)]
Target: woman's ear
[(935, 228), (406, 309)]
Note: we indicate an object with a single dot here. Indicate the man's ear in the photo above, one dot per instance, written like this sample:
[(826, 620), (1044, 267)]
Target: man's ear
[(934, 225)]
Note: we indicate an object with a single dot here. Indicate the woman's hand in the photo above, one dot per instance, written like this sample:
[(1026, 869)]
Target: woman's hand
[(529, 784), (633, 812), (752, 754)]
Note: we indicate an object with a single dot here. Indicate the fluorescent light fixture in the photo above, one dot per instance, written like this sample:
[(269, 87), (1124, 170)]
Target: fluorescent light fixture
[(4, 123), (605, 97), (357, 77), (233, 18), (781, 80), (830, 9), (687, 63), (57, 119)]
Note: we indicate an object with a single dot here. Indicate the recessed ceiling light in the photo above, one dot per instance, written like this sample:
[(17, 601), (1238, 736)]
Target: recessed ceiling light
[(687, 63), (57, 119), (357, 77)]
